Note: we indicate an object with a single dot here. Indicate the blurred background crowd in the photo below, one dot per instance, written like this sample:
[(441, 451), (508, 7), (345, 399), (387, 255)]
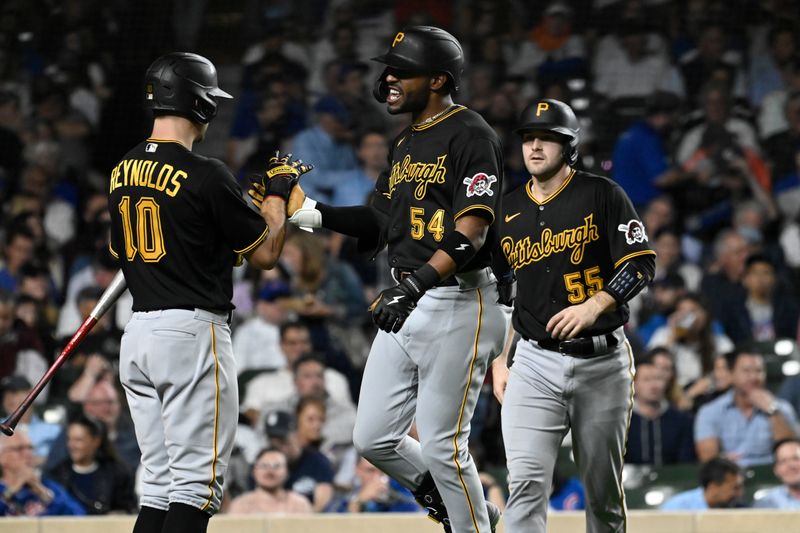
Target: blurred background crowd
[(693, 106)]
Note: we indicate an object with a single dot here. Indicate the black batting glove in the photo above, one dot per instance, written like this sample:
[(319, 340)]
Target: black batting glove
[(392, 306), (506, 289), (281, 176)]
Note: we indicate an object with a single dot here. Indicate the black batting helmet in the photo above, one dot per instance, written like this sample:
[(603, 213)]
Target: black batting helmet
[(183, 84), (423, 49), (555, 116)]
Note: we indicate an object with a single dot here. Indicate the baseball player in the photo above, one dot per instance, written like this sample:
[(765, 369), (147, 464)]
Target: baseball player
[(441, 324), (580, 253), (178, 226)]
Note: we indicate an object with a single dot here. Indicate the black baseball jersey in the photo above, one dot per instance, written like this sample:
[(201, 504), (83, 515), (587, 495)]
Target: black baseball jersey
[(179, 223), (566, 248), (439, 171)]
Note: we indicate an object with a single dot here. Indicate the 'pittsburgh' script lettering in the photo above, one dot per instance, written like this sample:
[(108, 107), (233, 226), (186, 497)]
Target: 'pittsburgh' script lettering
[(524, 252), (422, 173)]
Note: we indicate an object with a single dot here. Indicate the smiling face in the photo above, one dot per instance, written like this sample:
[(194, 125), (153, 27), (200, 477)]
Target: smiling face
[(542, 152), (787, 464)]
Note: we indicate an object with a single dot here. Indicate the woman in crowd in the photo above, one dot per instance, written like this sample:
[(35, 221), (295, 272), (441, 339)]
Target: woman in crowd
[(93, 473)]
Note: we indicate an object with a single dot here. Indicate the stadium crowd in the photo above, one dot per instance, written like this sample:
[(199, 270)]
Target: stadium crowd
[(692, 106)]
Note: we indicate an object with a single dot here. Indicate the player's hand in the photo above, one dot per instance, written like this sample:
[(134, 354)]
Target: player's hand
[(499, 381), (567, 323), (279, 179), (506, 289), (392, 306)]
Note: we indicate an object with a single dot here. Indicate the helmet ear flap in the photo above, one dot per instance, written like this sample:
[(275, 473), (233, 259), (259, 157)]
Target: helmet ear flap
[(381, 89)]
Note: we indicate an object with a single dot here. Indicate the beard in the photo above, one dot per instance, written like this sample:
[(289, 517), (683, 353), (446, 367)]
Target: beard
[(412, 103)]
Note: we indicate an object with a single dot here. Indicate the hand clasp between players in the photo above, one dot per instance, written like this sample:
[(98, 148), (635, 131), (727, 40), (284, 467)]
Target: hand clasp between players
[(280, 179)]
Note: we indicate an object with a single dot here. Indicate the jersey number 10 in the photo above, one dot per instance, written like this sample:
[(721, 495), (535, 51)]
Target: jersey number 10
[(148, 240)]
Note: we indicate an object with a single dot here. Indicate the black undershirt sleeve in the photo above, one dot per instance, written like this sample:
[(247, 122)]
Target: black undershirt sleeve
[(364, 222)]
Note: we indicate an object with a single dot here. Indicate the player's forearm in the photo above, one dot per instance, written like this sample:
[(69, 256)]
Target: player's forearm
[(502, 359), (602, 302), (266, 255), (448, 258)]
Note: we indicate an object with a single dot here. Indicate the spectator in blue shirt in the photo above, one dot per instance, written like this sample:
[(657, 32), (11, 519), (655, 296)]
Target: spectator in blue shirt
[(743, 423), (721, 486), (641, 161), (375, 492), (356, 185), (327, 145), (22, 491), (787, 469)]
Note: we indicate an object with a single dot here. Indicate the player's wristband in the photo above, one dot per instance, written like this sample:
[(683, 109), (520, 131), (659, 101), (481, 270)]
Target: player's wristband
[(628, 280), (459, 248), (423, 279)]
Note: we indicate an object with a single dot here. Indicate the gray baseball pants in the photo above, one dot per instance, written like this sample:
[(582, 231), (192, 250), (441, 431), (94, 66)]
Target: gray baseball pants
[(179, 375), (549, 394), (433, 368)]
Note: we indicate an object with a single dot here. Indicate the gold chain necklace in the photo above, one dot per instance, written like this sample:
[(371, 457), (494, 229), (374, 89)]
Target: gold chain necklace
[(436, 116)]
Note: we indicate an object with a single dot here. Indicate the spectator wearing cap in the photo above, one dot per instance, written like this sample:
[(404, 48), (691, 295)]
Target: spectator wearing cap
[(277, 390), (42, 434), (256, 342), (327, 146), (641, 162), (787, 470), (23, 492), (552, 50), (744, 423), (20, 349), (270, 472), (310, 472), (767, 312), (721, 487)]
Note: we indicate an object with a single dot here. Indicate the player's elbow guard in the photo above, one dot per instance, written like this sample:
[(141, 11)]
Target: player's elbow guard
[(630, 278), (308, 217)]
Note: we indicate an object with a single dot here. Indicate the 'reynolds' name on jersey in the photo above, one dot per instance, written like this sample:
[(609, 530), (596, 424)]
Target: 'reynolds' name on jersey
[(523, 252), (147, 173), (422, 173)]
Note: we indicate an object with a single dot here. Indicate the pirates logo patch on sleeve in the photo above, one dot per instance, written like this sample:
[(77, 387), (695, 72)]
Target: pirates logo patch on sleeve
[(634, 231), (480, 184)]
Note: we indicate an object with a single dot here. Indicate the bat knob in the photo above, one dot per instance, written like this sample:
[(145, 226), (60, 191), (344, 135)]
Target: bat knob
[(8, 430)]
